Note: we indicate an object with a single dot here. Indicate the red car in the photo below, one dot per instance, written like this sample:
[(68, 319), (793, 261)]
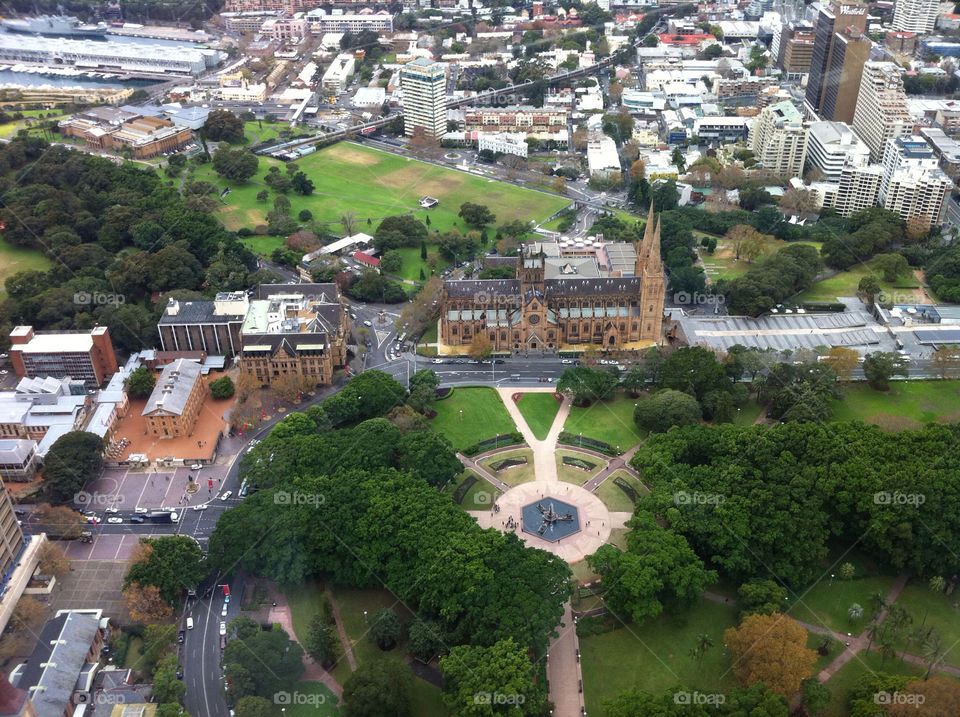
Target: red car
[(223, 642)]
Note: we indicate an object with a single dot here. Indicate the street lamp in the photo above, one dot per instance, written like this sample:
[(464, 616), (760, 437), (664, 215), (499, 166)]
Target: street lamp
[(461, 415), (581, 439)]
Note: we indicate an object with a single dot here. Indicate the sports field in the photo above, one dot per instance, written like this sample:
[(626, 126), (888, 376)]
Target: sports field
[(14, 259), (372, 184)]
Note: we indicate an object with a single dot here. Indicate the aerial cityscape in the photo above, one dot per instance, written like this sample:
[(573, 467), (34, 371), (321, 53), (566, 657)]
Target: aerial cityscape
[(455, 358)]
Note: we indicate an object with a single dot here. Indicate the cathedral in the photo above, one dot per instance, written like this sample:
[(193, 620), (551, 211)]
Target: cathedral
[(564, 298)]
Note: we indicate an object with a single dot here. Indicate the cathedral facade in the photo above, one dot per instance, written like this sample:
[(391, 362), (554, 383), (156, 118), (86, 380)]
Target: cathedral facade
[(558, 301)]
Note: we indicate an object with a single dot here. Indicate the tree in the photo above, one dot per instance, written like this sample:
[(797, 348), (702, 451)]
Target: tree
[(145, 603), (322, 642), (140, 382), (638, 170), (52, 560), (704, 643), (891, 266), (348, 220), (74, 458), (429, 455), (426, 639), (869, 287), (222, 388), (174, 564), (223, 126), (816, 695), (503, 668), (747, 242), (842, 361), (391, 261), (253, 706), (677, 158), (262, 195), (281, 204), (480, 346), (378, 687), (235, 164), (166, 686), (477, 215), (423, 389), (731, 177), (797, 202), (385, 629), (254, 648), (879, 366), (58, 522), (940, 696), (694, 370), (771, 649), (585, 384), (760, 597), (27, 614), (855, 612), (666, 409), (559, 185), (658, 571), (301, 184)]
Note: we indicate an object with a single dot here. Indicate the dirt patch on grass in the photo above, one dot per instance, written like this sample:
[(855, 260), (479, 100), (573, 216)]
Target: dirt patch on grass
[(414, 178), (351, 155), (894, 424)]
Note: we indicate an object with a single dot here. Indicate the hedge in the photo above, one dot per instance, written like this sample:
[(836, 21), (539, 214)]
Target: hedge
[(462, 489), (626, 488), (575, 440), (823, 306), (578, 463), (501, 441)]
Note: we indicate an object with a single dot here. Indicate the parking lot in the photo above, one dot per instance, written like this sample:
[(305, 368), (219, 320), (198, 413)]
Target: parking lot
[(95, 581), (125, 489)]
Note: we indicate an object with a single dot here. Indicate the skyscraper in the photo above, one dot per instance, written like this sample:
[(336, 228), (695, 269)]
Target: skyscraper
[(913, 184), (881, 112), (829, 74), (424, 88), (915, 15), (779, 139)]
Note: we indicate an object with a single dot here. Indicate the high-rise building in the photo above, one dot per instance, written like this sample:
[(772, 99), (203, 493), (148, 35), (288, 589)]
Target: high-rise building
[(11, 537), (825, 72), (779, 139), (915, 15), (793, 49), (831, 146), (881, 112), (858, 189), (84, 355), (913, 184), (424, 86), (851, 50)]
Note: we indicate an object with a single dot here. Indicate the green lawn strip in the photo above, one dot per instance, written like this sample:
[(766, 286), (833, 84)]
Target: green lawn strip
[(134, 660), (748, 414), (427, 700), (539, 410), (312, 699), (932, 610), (654, 655), (412, 263), (847, 677), (264, 245), (483, 416), (610, 421), (13, 260), (722, 264), (826, 603), (305, 600), (844, 283), (373, 184), (480, 496), (575, 475), (907, 404), (430, 335), (511, 476), (614, 497)]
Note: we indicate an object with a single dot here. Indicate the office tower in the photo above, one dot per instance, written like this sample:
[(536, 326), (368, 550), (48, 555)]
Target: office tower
[(915, 15), (833, 145), (881, 112), (798, 52), (779, 139), (851, 50), (423, 83), (831, 19)]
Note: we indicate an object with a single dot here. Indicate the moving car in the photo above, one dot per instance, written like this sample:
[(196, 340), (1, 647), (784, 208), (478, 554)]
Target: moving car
[(226, 495), (201, 506), (111, 510), (181, 636), (114, 519), (223, 628), (189, 623), (137, 519), (223, 612), (141, 511)]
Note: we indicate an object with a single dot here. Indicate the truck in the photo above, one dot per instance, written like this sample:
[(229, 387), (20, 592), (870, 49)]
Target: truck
[(161, 516)]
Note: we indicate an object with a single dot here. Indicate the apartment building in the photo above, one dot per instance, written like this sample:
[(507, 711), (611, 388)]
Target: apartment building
[(531, 120), (913, 184), (778, 139), (84, 355), (18, 459), (335, 79), (881, 113), (423, 84), (320, 23), (858, 188), (833, 145), (503, 143), (919, 16), (284, 28)]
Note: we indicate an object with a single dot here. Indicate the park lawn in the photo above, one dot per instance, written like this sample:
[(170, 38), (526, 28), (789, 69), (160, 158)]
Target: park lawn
[(512, 476), (932, 610), (845, 283), (539, 410), (614, 497), (256, 132), (480, 496), (14, 259), (470, 415), (427, 700), (264, 245), (748, 414), (305, 600), (722, 264), (430, 335), (847, 677), (575, 475), (834, 648), (907, 405), (372, 184), (654, 655), (312, 699), (610, 421), (553, 225), (412, 263), (826, 603)]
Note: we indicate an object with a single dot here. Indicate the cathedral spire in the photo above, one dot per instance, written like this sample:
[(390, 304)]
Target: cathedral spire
[(643, 250), (653, 265)]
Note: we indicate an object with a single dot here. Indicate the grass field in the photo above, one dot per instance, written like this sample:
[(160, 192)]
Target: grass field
[(907, 405), (614, 497), (845, 283), (575, 475), (374, 184), (827, 602), (471, 415), (539, 410), (264, 245), (610, 421), (722, 264), (511, 476), (847, 677), (305, 601), (654, 656), (480, 496), (933, 610), (255, 132), (412, 263), (14, 260), (312, 699)]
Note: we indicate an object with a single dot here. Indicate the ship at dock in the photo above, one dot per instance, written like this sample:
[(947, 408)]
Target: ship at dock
[(55, 26)]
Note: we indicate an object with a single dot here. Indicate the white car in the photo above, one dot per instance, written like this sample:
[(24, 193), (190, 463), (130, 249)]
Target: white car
[(223, 628), (202, 506), (196, 467), (223, 612), (111, 510), (226, 495), (141, 511), (567, 361), (438, 360), (368, 323), (115, 520)]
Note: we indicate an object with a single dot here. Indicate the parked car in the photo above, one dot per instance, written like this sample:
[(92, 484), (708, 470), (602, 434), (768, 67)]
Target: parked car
[(568, 361), (438, 361), (196, 467), (223, 628), (223, 611), (223, 642), (179, 672), (226, 495), (137, 519), (181, 636), (114, 519)]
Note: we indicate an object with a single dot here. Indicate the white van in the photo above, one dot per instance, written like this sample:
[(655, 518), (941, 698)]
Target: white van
[(174, 518), (189, 623)]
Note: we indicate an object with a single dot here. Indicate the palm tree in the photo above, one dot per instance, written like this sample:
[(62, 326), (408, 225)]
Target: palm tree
[(937, 584), (855, 612), (704, 643), (932, 652), (898, 618), (878, 601), (873, 631)]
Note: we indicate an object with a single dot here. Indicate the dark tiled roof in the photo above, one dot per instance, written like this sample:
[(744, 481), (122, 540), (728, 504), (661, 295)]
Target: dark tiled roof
[(275, 341), (11, 698), (490, 261), (483, 287), (601, 286), (198, 312)]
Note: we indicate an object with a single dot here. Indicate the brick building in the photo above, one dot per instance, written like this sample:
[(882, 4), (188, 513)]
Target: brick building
[(530, 120), (84, 355)]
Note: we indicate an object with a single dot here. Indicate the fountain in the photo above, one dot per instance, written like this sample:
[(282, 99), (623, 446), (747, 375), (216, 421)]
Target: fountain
[(550, 519)]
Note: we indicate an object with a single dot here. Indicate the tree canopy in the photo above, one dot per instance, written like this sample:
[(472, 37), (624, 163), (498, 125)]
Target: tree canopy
[(73, 459)]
